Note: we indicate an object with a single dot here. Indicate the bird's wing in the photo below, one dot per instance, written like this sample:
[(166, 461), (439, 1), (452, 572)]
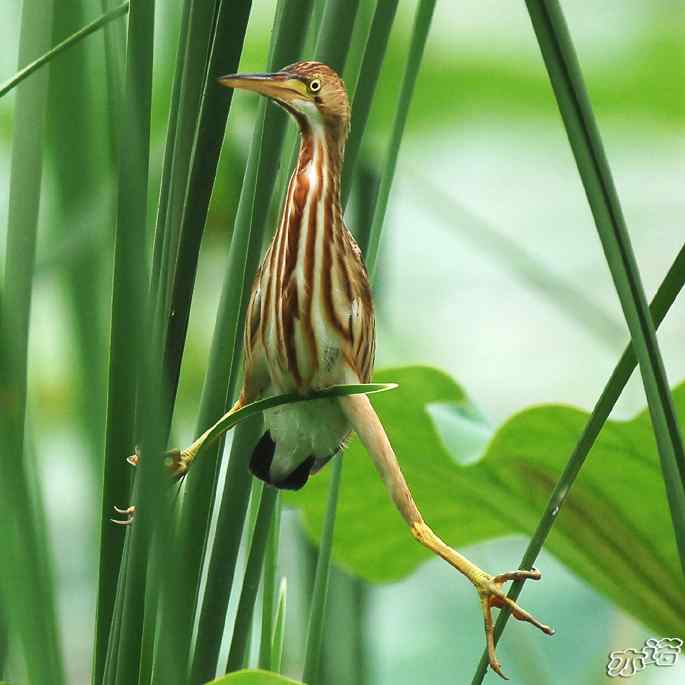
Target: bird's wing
[(362, 327)]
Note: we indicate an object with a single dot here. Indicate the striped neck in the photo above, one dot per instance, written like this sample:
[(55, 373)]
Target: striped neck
[(316, 176)]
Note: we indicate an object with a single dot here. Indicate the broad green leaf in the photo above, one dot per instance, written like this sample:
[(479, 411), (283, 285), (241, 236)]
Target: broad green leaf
[(614, 530), (254, 677)]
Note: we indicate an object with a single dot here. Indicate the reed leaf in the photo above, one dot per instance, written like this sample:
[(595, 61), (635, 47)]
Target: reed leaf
[(26, 590), (290, 26), (209, 43), (121, 386), (269, 591), (226, 48), (321, 577), (237, 656), (574, 105), (195, 40), (114, 35), (279, 628), (370, 70), (126, 351), (422, 22)]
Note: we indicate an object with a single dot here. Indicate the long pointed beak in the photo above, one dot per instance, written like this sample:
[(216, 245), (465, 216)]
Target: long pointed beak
[(279, 85)]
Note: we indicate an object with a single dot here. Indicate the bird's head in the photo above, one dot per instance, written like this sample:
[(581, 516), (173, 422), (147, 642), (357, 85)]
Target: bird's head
[(311, 91)]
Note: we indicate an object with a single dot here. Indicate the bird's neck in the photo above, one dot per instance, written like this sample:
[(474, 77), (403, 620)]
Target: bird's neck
[(318, 170)]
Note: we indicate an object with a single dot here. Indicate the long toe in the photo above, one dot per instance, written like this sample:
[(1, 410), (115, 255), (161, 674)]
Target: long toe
[(129, 512), (492, 595)]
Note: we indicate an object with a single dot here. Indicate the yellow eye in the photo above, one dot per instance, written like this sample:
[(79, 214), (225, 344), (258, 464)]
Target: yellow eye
[(315, 85)]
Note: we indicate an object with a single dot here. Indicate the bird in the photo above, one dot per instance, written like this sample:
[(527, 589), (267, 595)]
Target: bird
[(310, 325)]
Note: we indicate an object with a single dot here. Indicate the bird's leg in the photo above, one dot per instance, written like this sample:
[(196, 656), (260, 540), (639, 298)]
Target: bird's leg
[(366, 423), (177, 461)]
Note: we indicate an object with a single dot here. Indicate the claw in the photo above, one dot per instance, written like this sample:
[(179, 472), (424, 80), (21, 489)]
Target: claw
[(134, 459), (491, 595), (129, 512), (175, 463)]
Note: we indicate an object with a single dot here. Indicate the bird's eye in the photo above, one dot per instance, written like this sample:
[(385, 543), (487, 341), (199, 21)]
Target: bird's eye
[(315, 85)]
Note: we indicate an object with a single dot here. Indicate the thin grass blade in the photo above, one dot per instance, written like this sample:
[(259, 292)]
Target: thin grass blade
[(374, 53), (216, 102), (422, 22), (289, 31), (279, 628), (269, 590), (121, 386), (321, 578), (126, 351), (237, 655), (215, 43)]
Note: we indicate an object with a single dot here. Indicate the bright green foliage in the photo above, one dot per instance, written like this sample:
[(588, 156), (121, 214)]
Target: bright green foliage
[(618, 547), (254, 677)]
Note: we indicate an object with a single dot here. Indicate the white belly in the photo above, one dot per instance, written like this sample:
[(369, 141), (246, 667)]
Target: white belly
[(313, 428)]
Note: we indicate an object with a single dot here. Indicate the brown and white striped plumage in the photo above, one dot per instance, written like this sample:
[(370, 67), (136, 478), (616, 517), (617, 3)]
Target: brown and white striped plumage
[(310, 321), (310, 325)]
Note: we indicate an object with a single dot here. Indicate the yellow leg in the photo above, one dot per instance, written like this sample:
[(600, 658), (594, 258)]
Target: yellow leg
[(176, 461), (370, 430)]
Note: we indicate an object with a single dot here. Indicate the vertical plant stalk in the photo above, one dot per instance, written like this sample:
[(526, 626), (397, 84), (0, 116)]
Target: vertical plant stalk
[(664, 298), (574, 105), (372, 62), (191, 75), (114, 35), (226, 48), (121, 390), (225, 37), (422, 22), (25, 573), (269, 589), (279, 628), (237, 655), (321, 578), (126, 351), (222, 373)]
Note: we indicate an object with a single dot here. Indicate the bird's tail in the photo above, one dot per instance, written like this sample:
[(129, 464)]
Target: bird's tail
[(260, 466)]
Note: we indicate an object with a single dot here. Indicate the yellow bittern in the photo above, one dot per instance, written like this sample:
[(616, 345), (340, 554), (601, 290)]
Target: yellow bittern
[(310, 325)]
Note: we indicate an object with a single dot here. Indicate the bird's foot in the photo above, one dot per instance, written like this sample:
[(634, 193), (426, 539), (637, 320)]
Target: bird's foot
[(489, 587), (177, 463), (491, 595), (129, 512)]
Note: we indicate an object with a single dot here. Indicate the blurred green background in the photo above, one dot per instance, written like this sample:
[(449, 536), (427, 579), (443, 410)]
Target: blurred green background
[(480, 274)]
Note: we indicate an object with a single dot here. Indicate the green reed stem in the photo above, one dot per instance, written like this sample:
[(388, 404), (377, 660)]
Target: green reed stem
[(223, 372), (237, 655), (321, 578), (422, 22)]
